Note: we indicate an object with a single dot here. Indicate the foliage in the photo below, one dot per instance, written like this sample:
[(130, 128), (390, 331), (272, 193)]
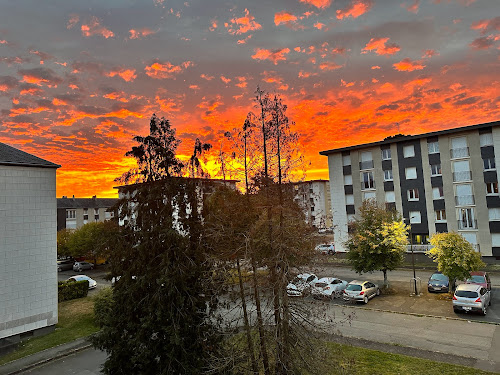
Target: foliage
[(195, 166), (103, 306), (377, 240), (63, 237), (67, 290), (454, 255), (93, 240)]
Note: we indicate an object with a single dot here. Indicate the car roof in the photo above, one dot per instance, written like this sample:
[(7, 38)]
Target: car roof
[(357, 282), (327, 279), (469, 287), (478, 273)]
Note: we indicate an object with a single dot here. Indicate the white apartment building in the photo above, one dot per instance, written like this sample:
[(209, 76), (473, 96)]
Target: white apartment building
[(314, 198)]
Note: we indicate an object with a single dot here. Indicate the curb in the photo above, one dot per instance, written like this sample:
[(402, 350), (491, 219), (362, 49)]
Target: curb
[(21, 365)]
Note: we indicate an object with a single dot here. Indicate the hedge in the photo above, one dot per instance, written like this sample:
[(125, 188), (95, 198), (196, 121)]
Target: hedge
[(72, 289)]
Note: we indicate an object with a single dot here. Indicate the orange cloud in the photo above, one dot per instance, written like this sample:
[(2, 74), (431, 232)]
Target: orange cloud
[(320, 4), (137, 34), (428, 53), (94, 27), (160, 70), (375, 67), (319, 25), (274, 55), (127, 75), (242, 82), (413, 7), (284, 17), (207, 77), (242, 25), (346, 84), (328, 65), (303, 74), (213, 24), (167, 105), (379, 46), (483, 42), (356, 9), (243, 41), (73, 20), (225, 80), (406, 65)]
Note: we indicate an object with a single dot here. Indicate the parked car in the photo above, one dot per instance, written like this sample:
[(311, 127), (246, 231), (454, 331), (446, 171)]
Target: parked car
[(65, 265), (471, 297), (438, 283), (92, 282), (481, 278), (328, 288), (301, 284), (361, 291), (326, 249), (80, 266)]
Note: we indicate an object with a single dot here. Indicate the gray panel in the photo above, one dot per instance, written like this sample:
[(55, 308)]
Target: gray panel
[(388, 185), (347, 170), (434, 159), (496, 251), (438, 204), (494, 226), (437, 181), (349, 209), (487, 152), (490, 176), (441, 228), (493, 201), (386, 164), (348, 189)]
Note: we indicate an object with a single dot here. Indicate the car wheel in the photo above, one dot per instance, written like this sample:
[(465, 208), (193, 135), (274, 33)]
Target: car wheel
[(331, 252), (456, 311), (378, 292), (365, 300), (484, 310), (58, 269)]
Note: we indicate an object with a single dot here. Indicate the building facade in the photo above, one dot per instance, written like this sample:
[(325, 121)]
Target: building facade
[(440, 182), (314, 198), (28, 245), (73, 213)]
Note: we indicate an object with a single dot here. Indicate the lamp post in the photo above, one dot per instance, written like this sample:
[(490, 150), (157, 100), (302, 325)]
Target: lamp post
[(413, 258)]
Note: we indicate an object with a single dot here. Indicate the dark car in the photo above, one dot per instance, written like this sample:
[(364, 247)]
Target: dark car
[(65, 265), (438, 283), (481, 278)]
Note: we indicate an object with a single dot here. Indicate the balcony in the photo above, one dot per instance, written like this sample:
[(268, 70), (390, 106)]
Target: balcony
[(418, 248), (457, 153), (467, 224), (464, 200), (366, 164), (462, 176), (366, 185)]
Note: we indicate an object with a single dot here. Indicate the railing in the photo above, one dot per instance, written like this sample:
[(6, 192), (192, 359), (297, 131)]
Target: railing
[(367, 185), (464, 200), (366, 164), (457, 153), (467, 224), (417, 248), (462, 176)]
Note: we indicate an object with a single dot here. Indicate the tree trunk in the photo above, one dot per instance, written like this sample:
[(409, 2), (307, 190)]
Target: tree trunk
[(260, 321), (386, 283)]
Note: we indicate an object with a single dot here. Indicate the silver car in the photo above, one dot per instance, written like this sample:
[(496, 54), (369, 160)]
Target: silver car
[(80, 266), (471, 297), (361, 291)]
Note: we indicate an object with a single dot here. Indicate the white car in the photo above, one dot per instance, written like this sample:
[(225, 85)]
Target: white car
[(328, 288), (301, 284), (92, 282), (326, 249)]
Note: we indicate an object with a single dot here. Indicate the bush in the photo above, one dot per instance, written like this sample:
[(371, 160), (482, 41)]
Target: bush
[(72, 289), (103, 306)]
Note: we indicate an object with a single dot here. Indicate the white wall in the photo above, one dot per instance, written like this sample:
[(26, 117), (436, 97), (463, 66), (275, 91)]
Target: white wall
[(28, 249)]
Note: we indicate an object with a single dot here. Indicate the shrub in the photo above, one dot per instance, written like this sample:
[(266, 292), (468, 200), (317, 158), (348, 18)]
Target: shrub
[(103, 306), (72, 289)]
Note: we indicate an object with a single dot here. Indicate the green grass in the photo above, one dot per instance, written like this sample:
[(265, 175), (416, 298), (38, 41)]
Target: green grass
[(76, 319)]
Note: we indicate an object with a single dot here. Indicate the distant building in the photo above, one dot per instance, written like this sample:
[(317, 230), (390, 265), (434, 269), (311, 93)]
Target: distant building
[(314, 198), (73, 213), (28, 245), (441, 181)]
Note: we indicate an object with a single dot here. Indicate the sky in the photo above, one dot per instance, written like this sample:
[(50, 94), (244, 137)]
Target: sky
[(79, 79)]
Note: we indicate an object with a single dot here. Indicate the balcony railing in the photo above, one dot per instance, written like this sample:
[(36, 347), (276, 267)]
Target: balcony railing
[(467, 224), (418, 248), (367, 185), (366, 164), (464, 200), (462, 176), (457, 153)]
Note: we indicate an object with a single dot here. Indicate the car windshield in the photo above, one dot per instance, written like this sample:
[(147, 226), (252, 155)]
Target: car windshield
[(353, 287), (439, 277), (476, 279), (466, 294)]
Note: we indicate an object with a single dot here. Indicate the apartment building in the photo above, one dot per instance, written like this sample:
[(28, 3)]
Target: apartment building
[(28, 245), (441, 181), (314, 198), (73, 213)]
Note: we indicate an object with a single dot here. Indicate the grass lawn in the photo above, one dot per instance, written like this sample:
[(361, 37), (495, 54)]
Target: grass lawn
[(76, 319)]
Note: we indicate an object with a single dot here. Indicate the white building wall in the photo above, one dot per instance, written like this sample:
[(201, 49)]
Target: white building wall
[(28, 249), (339, 214)]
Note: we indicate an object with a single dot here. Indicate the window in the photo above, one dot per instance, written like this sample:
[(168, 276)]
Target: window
[(409, 151), (349, 199), (440, 216), (350, 217), (489, 164), (459, 148), (369, 195), (347, 179), (386, 154), (461, 171), (415, 217), (466, 219), (366, 160), (411, 173), (109, 214), (495, 239), (433, 147), (388, 175), (70, 214), (435, 169), (312, 208), (85, 214), (346, 160), (437, 193), (390, 197), (486, 139), (464, 195), (367, 181), (494, 214), (412, 194), (491, 188), (470, 237)]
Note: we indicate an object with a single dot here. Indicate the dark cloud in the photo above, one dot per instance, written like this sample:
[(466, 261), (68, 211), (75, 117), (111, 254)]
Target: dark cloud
[(92, 110), (391, 107), (483, 42), (8, 81), (467, 101), (69, 98), (22, 119), (434, 106), (41, 74)]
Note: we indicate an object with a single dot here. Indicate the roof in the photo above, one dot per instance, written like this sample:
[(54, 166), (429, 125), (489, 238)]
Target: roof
[(215, 180), (308, 181), (401, 137), (12, 156), (65, 202), (469, 287)]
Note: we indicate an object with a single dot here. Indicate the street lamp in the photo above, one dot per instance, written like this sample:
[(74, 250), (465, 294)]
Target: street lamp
[(413, 257)]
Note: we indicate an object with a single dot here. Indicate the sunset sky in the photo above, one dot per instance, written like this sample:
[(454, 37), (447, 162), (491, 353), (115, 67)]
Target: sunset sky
[(78, 79)]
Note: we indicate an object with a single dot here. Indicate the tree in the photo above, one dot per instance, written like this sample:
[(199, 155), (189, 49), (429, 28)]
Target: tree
[(377, 240), (195, 166), (63, 238), (454, 255), (93, 240)]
